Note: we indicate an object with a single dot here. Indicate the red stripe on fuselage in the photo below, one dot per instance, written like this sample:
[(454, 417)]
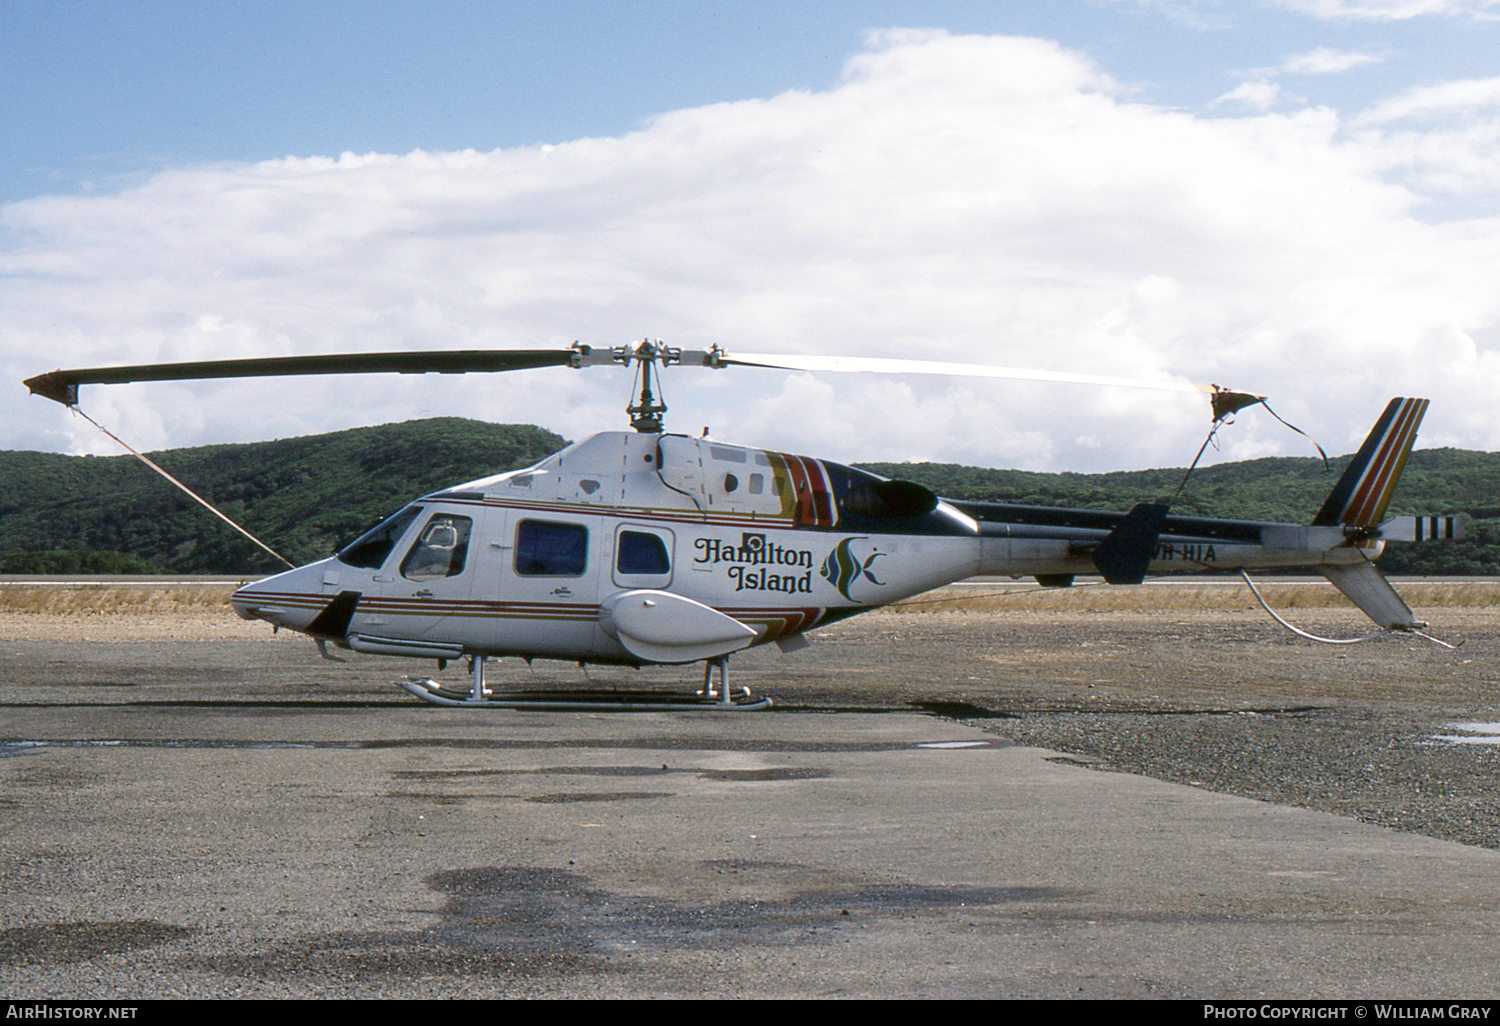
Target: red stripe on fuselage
[(814, 501)]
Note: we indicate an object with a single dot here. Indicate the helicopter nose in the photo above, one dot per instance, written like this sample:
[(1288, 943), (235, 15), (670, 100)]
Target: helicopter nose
[(291, 599)]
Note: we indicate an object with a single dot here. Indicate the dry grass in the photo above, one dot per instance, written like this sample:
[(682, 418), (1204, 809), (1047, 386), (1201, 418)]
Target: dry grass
[(74, 600), (1229, 597), (79, 599)]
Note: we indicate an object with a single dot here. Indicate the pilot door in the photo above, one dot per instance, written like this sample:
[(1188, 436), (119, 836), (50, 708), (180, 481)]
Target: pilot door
[(426, 580)]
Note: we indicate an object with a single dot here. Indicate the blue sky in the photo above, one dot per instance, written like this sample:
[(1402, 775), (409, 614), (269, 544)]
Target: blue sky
[(102, 92), (1298, 196)]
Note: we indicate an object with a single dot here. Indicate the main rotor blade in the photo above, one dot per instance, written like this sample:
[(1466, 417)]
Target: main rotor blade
[(866, 364), (62, 385), (1225, 401)]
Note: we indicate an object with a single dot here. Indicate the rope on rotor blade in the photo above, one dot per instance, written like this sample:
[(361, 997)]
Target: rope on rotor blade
[(1299, 431), (1218, 423), (196, 497), (1227, 417)]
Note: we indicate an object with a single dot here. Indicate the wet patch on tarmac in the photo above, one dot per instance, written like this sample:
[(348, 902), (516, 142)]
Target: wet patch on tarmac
[(751, 865), (521, 922), (52, 943), (524, 908), (1068, 760), (576, 771), (570, 797), (961, 710), (22, 747), (706, 743), (441, 799), (761, 775), (767, 774), (774, 773)]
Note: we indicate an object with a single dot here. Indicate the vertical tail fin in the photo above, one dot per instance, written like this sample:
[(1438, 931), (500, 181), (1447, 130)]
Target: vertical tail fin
[(1359, 500), (1363, 492)]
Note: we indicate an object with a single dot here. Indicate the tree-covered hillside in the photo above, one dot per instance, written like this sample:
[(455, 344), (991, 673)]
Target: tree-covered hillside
[(302, 496), (306, 496)]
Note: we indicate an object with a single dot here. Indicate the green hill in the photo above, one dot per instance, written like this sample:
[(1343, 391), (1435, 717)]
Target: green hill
[(302, 496), (307, 496)]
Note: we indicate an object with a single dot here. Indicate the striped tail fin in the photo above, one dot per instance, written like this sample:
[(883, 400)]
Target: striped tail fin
[(1362, 494)]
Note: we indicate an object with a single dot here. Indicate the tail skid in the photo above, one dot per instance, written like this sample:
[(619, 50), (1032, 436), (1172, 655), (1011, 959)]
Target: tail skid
[(1413, 628)]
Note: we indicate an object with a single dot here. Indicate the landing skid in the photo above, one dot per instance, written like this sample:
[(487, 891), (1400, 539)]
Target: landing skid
[(710, 699)]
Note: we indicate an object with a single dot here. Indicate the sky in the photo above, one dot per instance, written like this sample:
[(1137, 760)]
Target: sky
[(1299, 198)]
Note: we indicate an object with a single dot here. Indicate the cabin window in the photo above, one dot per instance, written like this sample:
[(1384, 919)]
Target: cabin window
[(643, 556), (440, 551), (547, 549), (640, 553), (370, 549)]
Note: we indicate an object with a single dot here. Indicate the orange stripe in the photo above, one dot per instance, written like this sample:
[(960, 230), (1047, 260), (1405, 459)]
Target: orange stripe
[(801, 490), (1379, 481), (815, 505), (1380, 476), (778, 622)]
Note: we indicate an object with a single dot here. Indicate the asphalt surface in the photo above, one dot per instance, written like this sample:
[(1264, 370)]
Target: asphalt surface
[(235, 818)]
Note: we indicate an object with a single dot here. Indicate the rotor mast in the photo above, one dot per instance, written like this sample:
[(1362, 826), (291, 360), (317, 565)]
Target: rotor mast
[(646, 412)]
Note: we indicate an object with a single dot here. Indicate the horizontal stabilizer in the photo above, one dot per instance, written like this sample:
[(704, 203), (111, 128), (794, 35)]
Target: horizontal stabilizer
[(1417, 529), (1368, 589), (1125, 554)]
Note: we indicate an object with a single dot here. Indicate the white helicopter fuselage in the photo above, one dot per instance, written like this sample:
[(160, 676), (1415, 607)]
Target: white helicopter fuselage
[(636, 548), (529, 562)]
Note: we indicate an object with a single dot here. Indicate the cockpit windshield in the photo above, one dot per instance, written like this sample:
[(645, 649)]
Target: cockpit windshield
[(861, 494), (370, 549)]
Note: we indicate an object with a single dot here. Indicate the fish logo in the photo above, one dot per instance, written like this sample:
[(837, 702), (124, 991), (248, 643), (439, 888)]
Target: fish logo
[(842, 568)]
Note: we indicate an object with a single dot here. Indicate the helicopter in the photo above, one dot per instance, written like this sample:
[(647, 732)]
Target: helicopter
[(647, 547)]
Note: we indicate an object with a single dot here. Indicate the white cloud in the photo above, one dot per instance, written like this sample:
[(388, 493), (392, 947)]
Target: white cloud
[(954, 198), (1392, 10), (1325, 61), (1257, 94), (1465, 97), (1444, 138)]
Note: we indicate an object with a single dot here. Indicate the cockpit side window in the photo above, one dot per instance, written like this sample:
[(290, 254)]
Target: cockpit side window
[(370, 549), (441, 549)]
